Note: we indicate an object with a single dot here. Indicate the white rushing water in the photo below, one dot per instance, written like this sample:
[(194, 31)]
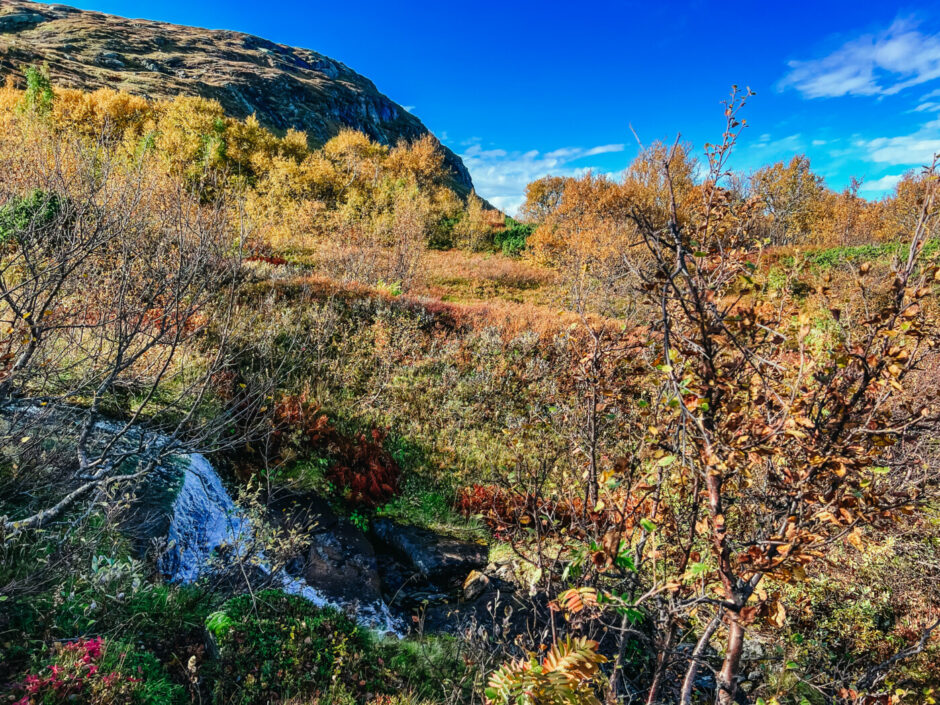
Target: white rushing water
[(205, 518)]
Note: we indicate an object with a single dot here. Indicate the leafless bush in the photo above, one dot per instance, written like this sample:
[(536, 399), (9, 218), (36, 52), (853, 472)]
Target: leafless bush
[(116, 307)]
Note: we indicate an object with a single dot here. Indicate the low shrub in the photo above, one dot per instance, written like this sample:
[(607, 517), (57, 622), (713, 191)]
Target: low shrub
[(93, 672), (512, 239), (359, 466), (506, 512), (275, 646), (432, 668)]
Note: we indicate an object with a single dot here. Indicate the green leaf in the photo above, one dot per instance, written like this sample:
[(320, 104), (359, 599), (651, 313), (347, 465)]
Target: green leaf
[(625, 561), (666, 461), (218, 623), (647, 524)]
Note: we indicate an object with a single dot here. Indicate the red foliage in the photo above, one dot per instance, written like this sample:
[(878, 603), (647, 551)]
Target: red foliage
[(270, 259), (361, 465), (505, 511), (75, 677)]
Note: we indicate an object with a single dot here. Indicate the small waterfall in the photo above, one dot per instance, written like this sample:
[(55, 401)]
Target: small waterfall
[(205, 518)]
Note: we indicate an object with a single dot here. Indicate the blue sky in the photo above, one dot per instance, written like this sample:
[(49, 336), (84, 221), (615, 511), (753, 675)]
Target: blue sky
[(522, 89)]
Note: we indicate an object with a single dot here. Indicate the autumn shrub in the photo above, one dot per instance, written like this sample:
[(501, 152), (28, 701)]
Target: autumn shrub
[(507, 512), (94, 672), (474, 230), (359, 467), (274, 646), (267, 259)]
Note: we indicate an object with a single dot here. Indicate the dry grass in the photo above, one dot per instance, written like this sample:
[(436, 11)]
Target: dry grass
[(457, 275), (510, 318)]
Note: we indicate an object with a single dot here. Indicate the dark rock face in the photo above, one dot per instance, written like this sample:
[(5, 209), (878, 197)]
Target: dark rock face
[(20, 20), (440, 559), (336, 557), (341, 564), (285, 87), (443, 582)]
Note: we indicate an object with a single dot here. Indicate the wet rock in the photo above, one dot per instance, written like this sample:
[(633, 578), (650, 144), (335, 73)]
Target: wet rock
[(498, 611), (438, 558), (332, 553), (475, 585), (300, 511), (341, 563)]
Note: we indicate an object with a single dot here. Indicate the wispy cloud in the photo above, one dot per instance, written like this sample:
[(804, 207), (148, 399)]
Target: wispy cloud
[(912, 149), (501, 176), (877, 64), (883, 185)]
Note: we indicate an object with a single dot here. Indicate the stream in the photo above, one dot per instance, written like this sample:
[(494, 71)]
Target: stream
[(205, 518)]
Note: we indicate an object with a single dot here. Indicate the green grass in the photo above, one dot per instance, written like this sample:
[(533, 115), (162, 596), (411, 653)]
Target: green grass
[(831, 257), (431, 509)]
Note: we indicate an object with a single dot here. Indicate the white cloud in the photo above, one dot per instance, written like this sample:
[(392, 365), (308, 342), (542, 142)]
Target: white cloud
[(501, 177), (915, 148), (872, 64), (883, 185), (791, 144), (604, 149), (906, 149)]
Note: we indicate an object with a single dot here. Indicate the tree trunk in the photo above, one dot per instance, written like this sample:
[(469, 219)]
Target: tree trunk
[(727, 676), (696, 658)]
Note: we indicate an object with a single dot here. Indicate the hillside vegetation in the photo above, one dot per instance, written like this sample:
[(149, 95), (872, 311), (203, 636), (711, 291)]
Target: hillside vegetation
[(692, 418), (283, 87)]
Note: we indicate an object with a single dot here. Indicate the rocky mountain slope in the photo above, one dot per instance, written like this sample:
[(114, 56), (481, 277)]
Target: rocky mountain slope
[(284, 86)]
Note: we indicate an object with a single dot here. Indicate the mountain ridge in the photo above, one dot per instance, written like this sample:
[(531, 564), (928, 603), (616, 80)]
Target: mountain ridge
[(285, 87)]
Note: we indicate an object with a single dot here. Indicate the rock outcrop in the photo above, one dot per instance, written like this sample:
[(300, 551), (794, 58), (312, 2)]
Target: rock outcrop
[(440, 559), (285, 87)]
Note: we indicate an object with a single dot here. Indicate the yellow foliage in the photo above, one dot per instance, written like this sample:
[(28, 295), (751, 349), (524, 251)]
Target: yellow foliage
[(352, 189)]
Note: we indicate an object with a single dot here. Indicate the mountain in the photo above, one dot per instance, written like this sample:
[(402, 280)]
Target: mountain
[(285, 87)]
